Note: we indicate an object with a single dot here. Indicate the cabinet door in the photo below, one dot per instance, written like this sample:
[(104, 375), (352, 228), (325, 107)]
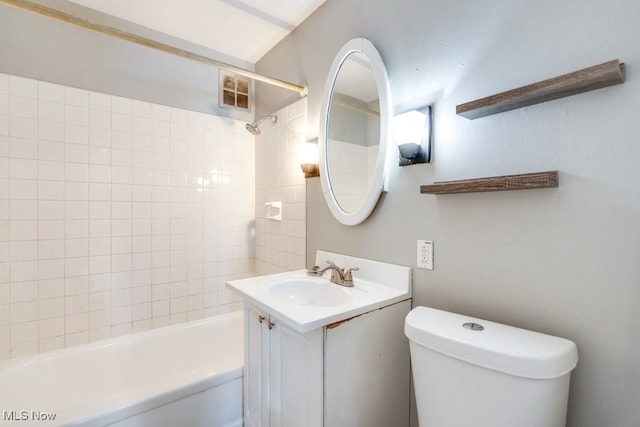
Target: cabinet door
[(367, 374), (296, 369), (256, 357)]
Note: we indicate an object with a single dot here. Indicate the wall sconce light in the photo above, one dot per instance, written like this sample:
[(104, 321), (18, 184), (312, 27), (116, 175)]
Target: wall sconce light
[(412, 133), (308, 158)]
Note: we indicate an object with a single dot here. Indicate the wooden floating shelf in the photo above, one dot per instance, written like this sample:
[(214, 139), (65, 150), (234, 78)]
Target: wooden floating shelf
[(527, 181), (596, 77)]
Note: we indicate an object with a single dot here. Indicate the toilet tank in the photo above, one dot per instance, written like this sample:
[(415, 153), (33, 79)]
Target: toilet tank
[(473, 372)]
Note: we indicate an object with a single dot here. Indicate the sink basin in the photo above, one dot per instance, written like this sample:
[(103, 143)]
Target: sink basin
[(307, 291), (306, 302)]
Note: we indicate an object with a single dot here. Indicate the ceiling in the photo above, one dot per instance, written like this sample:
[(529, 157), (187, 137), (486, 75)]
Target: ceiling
[(244, 29)]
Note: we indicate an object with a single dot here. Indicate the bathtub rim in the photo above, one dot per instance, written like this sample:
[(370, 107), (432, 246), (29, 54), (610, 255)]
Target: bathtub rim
[(27, 360)]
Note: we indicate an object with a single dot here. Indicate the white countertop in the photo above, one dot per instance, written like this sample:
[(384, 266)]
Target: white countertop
[(364, 296)]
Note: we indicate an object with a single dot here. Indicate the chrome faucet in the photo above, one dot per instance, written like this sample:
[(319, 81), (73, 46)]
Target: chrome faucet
[(339, 275)]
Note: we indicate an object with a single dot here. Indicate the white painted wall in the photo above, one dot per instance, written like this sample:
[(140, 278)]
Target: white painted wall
[(562, 261)]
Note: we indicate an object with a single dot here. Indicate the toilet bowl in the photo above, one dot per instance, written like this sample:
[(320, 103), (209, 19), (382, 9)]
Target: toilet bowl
[(472, 372)]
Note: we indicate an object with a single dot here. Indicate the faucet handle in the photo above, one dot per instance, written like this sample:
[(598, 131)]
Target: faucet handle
[(348, 276)]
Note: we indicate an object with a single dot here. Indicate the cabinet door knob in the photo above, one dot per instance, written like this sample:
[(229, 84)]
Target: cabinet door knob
[(270, 324), (260, 318)]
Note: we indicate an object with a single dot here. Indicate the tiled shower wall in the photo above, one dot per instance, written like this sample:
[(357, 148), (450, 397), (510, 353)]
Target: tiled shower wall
[(280, 245), (352, 168), (116, 215)]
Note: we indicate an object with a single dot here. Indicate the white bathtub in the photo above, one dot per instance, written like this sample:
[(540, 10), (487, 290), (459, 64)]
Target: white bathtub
[(183, 375)]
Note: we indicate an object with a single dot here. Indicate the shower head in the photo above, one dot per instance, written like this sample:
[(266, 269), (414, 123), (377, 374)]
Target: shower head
[(254, 127)]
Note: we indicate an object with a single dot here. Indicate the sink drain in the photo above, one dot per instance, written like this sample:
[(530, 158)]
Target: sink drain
[(473, 326)]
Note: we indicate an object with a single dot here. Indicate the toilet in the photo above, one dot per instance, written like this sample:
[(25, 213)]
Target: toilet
[(471, 372)]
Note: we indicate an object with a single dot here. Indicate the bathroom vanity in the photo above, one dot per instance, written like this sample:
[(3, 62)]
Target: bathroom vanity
[(334, 358)]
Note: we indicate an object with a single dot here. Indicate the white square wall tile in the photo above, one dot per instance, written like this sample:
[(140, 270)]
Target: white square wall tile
[(50, 229), (24, 292), (20, 106), (23, 210), (50, 111), (4, 125), (76, 153), (4, 83), (99, 246), (142, 109), (51, 288), (75, 323), (50, 92), (50, 344), (50, 171), (100, 301), (76, 172), (4, 104), (76, 115), (99, 119), (51, 268), (76, 97), (121, 122), (76, 134), (99, 137), (76, 304), (21, 86), (22, 332), (76, 268), (51, 150), (100, 192), (23, 230), (22, 127), (76, 210), (24, 312), (76, 191), (51, 249), (75, 228), (50, 131), (99, 173), (121, 105), (76, 248), (4, 146), (23, 168), (99, 101), (99, 264), (72, 339), (50, 190), (100, 319), (5, 314), (121, 315)]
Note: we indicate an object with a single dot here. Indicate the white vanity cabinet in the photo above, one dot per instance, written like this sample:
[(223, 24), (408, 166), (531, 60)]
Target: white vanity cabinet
[(318, 354), (353, 372)]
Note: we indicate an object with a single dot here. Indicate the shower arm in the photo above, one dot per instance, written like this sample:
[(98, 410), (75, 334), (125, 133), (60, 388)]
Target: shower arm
[(143, 41)]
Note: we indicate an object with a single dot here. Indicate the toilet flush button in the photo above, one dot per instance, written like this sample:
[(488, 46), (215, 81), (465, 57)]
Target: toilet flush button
[(473, 326)]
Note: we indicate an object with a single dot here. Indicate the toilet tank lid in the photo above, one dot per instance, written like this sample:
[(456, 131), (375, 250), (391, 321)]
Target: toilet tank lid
[(499, 347)]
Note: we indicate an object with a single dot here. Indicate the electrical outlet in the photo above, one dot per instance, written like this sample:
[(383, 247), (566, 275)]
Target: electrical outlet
[(425, 254)]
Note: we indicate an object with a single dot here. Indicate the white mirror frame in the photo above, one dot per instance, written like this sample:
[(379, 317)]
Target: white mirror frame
[(379, 182)]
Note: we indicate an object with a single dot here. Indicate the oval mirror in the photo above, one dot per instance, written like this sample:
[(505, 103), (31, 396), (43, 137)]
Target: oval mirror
[(354, 129)]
